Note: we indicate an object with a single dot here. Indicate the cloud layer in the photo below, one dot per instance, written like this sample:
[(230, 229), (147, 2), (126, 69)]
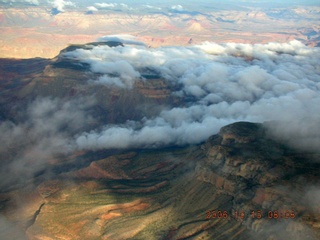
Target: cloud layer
[(221, 83), (44, 132)]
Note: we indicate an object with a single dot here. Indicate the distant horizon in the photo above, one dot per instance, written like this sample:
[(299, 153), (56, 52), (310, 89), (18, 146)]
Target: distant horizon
[(28, 26), (168, 4)]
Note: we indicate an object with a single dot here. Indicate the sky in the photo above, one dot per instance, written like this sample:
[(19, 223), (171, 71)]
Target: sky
[(80, 3)]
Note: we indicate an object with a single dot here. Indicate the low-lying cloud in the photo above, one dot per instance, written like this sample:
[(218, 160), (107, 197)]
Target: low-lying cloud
[(152, 7), (44, 132), (218, 84), (222, 83), (9, 231)]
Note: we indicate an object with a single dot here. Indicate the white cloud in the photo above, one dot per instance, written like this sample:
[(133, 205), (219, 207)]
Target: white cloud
[(106, 5), (9, 230), (92, 8), (112, 5), (45, 132), (152, 7), (226, 82), (125, 72), (61, 4), (177, 8)]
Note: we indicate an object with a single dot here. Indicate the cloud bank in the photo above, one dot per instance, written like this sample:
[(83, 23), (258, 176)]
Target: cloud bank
[(44, 132), (220, 83)]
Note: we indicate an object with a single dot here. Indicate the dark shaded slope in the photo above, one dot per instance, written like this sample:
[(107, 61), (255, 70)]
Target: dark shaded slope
[(26, 80)]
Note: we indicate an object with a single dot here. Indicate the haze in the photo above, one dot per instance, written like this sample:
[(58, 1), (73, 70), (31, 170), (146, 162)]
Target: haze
[(35, 28)]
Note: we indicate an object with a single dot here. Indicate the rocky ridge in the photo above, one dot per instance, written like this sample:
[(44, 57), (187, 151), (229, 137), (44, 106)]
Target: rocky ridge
[(234, 186), (64, 78)]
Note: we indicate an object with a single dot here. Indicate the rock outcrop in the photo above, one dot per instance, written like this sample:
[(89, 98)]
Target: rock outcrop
[(239, 184)]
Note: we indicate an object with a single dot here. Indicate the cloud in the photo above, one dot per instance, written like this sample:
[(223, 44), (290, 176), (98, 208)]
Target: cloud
[(311, 198), (44, 132), (36, 2), (154, 133), (288, 228), (124, 5), (126, 74), (221, 83), (113, 5), (8, 230), (304, 195), (217, 84), (152, 7), (92, 8), (106, 5), (177, 8), (61, 4)]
